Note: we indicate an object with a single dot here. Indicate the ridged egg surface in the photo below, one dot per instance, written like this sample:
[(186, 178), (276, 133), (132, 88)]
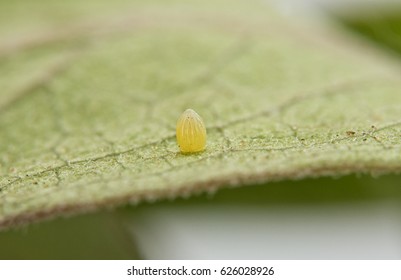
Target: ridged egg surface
[(191, 132)]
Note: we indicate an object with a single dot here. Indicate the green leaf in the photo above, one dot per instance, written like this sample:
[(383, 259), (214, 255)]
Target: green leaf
[(91, 92), (66, 239), (382, 27)]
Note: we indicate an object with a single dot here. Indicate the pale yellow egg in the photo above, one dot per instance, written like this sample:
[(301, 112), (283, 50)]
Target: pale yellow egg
[(191, 132)]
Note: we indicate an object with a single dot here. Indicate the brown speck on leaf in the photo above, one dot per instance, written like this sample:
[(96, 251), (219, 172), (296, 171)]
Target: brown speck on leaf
[(350, 133)]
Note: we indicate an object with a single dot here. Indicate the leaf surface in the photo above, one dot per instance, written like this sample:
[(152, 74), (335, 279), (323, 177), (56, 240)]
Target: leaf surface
[(91, 92)]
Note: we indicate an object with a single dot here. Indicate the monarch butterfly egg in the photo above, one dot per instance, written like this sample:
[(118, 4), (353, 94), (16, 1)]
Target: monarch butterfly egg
[(191, 132)]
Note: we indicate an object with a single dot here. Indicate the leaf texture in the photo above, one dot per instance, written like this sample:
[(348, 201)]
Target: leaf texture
[(91, 92)]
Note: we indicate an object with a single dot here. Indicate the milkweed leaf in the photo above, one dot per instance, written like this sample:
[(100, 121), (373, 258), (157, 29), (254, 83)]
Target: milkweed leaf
[(91, 92)]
